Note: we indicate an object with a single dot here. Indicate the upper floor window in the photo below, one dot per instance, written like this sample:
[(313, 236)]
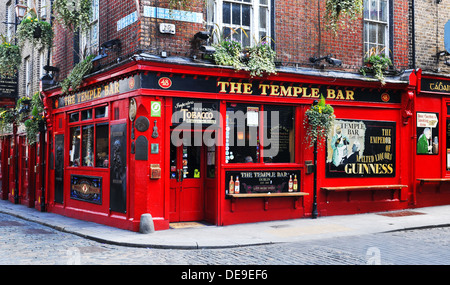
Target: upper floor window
[(376, 23), (90, 38), (246, 21)]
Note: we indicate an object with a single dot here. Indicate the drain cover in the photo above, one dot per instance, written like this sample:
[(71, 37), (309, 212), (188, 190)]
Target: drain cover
[(401, 214)]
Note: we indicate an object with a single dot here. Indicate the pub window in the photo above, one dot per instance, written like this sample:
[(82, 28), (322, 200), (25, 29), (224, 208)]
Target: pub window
[(259, 134), (89, 143)]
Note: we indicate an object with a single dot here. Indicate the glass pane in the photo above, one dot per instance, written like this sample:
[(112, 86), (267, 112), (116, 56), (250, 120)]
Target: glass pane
[(101, 112), (74, 117), (262, 18), (191, 161), (226, 13), (246, 15), (246, 38), (102, 145), (372, 33), (263, 2), (241, 137), (366, 9), (381, 35), (373, 10), (86, 114), (173, 161), (87, 147), (74, 152), (383, 10), (448, 109), (278, 137), (236, 14)]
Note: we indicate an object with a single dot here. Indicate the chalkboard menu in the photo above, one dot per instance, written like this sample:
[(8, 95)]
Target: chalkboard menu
[(266, 181), (8, 87)]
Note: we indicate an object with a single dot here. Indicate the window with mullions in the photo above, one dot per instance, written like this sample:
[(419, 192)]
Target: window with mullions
[(259, 133), (246, 21), (89, 145), (376, 25)]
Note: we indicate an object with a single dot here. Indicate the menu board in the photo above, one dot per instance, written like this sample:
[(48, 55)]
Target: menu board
[(247, 182), (357, 148)]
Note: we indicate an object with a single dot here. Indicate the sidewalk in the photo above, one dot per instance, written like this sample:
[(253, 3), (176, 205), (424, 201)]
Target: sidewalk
[(243, 234)]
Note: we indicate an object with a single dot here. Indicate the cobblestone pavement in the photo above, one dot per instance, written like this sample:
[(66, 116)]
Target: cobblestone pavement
[(27, 243)]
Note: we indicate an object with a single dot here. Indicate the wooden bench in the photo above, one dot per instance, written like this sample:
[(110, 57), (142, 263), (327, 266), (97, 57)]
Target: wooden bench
[(266, 197), (441, 181), (372, 188)]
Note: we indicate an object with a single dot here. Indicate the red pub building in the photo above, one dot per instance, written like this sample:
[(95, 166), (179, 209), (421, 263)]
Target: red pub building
[(156, 129)]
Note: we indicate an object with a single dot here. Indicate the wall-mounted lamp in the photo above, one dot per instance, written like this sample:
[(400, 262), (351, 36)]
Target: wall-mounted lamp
[(21, 10)]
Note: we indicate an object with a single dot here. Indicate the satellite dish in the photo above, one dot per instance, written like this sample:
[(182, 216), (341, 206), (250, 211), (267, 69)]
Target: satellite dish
[(447, 36)]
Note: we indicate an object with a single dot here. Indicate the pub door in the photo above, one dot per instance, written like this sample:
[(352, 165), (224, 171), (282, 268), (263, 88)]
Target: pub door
[(187, 199), (4, 165)]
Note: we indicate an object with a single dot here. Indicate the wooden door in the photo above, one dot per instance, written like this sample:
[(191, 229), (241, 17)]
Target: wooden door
[(186, 182)]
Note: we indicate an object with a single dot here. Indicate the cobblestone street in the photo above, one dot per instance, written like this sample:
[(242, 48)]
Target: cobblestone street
[(28, 243)]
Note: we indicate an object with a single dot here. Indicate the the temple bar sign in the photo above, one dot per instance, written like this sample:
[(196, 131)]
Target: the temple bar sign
[(252, 87), (106, 90)]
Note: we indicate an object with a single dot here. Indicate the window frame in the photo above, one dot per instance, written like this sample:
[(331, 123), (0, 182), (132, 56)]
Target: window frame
[(81, 124), (88, 44), (215, 19), (263, 134), (367, 44)]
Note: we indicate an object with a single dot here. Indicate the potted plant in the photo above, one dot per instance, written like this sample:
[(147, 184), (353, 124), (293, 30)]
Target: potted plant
[(335, 9), (376, 62), (74, 79), (7, 117), (228, 53), (261, 59), (10, 58), (318, 122), (73, 14), (36, 31)]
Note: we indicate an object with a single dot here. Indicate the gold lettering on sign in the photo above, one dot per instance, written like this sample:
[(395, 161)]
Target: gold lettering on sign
[(284, 91)]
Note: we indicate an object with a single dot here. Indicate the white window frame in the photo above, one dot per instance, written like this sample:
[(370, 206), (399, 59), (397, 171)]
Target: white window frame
[(379, 24), (28, 76), (10, 20), (89, 40), (215, 19)]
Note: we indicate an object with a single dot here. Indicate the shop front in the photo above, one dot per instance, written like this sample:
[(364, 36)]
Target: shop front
[(197, 143), (432, 141)]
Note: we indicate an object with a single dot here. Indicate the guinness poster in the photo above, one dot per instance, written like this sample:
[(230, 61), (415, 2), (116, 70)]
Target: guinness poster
[(357, 148)]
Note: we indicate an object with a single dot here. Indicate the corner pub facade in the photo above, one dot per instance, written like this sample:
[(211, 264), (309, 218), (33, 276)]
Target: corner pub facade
[(172, 136), (166, 139)]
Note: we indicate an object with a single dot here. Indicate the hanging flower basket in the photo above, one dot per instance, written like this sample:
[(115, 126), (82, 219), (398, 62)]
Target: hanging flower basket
[(39, 33), (10, 59), (335, 10), (318, 122)]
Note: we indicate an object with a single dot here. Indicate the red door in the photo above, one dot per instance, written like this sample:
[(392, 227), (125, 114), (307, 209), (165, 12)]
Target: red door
[(186, 182)]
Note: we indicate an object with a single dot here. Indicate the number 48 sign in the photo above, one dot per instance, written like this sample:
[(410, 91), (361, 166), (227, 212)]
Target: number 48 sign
[(155, 108)]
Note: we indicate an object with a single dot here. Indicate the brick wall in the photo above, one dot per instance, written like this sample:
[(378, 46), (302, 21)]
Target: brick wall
[(300, 33), (430, 19)]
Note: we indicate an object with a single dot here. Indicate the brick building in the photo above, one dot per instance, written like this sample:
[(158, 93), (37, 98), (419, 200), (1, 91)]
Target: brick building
[(124, 143), (430, 53)]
